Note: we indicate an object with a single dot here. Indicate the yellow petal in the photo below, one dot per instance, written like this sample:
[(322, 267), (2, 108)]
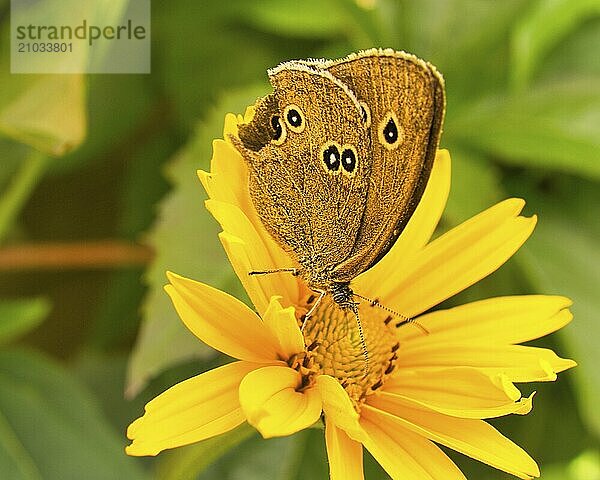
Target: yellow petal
[(222, 321), (257, 287), (459, 258), (230, 125), (284, 326), (338, 407), (383, 276), (260, 251), (193, 410), (231, 205), (474, 438), (228, 178), (460, 392), (405, 455), (273, 405), (345, 455), (518, 363), (494, 321)]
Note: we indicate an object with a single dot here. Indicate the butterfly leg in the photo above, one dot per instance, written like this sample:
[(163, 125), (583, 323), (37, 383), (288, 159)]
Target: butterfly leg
[(293, 271), (312, 309)]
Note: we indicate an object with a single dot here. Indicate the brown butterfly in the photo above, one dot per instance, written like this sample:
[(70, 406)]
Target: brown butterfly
[(339, 155)]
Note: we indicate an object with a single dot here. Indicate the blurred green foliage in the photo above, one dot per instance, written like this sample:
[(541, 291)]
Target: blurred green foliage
[(523, 119)]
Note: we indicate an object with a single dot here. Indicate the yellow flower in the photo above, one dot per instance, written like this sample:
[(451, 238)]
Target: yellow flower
[(420, 389)]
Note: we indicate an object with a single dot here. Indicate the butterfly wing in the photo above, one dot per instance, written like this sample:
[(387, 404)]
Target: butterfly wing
[(403, 102), (309, 200)]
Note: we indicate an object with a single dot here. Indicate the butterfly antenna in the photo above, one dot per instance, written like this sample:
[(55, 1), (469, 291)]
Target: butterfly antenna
[(405, 320), (361, 335)]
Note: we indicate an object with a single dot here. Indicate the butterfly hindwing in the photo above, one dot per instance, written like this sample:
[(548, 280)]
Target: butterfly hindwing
[(403, 102)]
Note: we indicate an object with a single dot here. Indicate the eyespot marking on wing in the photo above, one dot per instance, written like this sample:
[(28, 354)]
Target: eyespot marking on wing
[(349, 160), (390, 132), (294, 117), (331, 158), (279, 130)]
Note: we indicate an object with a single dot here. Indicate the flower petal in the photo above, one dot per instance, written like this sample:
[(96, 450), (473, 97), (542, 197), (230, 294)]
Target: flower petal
[(419, 229), (460, 392), (284, 326), (272, 404), (518, 363), (227, 184), (494, 321), (405, 455), (338, 407), (193, 410), (222, 321), (460, 258), (474, 438), (228, 179), (345, 455), (239, 253), (262, 254)]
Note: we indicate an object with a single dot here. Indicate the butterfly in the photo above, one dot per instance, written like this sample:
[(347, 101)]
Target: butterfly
[(339, 155)]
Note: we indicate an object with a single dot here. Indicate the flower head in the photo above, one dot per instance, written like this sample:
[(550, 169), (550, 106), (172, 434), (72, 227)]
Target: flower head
[(420, 389)]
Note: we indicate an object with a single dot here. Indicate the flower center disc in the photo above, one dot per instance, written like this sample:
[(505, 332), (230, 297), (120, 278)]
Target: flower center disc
[(334, 346)]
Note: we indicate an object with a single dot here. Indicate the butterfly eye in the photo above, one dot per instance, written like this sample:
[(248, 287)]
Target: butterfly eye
[(365, 112), (279, 132), (390, 132), (348, 159), (330, 154), (294, 117)]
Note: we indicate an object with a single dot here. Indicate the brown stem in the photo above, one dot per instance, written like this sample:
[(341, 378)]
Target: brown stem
[(83, 255)]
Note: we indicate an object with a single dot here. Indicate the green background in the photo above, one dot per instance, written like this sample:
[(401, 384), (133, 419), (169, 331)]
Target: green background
[(523, 119)]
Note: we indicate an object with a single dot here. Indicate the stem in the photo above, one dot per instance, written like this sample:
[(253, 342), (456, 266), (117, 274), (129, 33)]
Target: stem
[(18, 191), (97, 254)]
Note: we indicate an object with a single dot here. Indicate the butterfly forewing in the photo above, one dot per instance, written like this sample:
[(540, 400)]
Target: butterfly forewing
[(307, 197)]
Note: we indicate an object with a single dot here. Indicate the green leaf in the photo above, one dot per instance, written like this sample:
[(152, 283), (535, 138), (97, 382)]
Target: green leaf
[(576, 54), (17, 317), (543, 27), (118, 316), (185, 240), (120, 112), (555, 126), (469, 49), (562, 257), (584, 467), (48, 115), (322, 19), (46, 112), (475, 185), (187, 462), (20, 187), (11, 153), (297, 457), (103, 375), (307, 19), (50, 428), (225, 55)]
